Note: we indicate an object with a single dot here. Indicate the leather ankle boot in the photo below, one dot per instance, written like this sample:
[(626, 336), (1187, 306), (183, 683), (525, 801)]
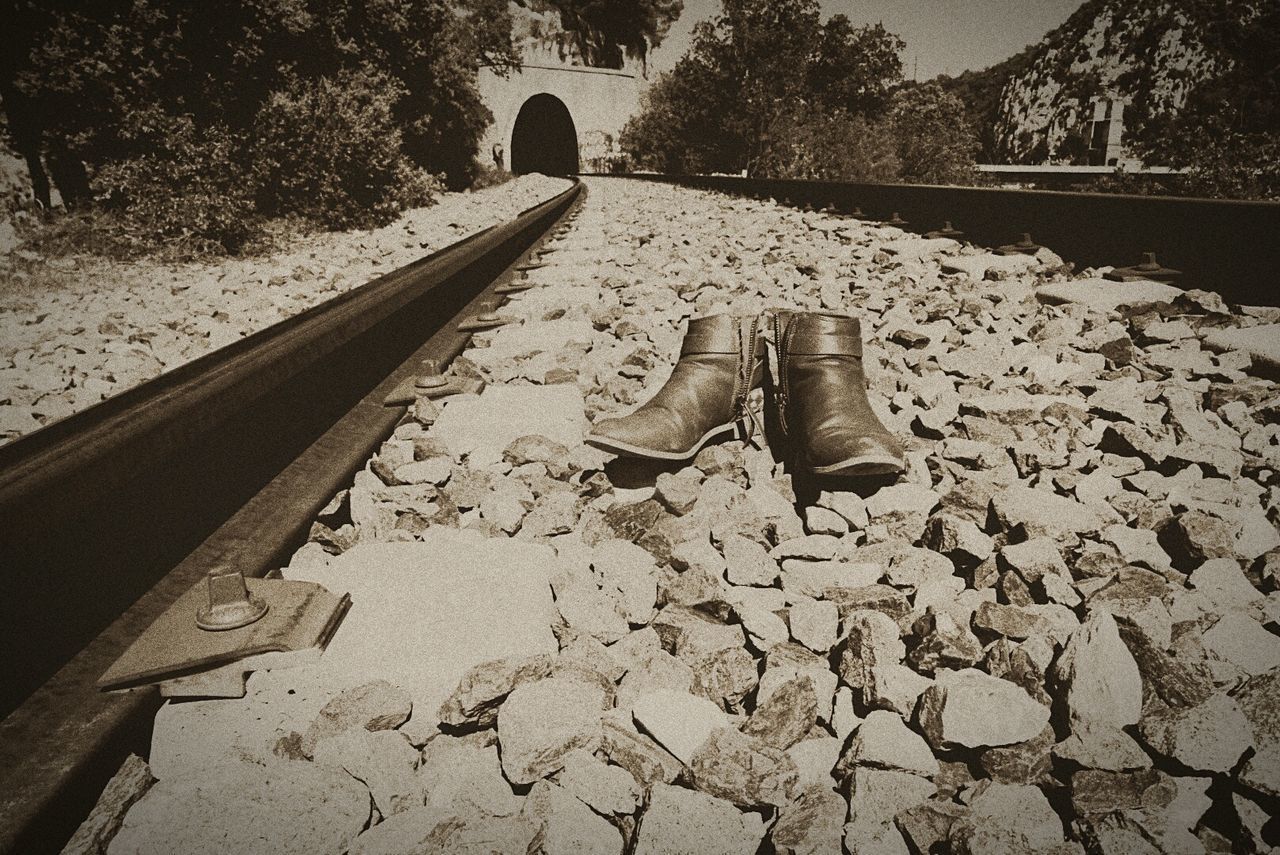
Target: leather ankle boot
[(821, 398), (721, 361)]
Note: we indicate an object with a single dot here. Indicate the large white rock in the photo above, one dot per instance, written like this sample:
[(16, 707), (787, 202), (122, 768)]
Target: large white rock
[(1104, 686), (1208, 737), (974, 709), (883, 740), (685, 822), (875, 797), (1242, 641), (628, 570), (430, 830), (423, 614), (482, 426), (284, 807), (460, 778), (679, 721), (608, 789), (1008, 818), (540, 723), (569, 826), (1103, 294), (1262, 343)]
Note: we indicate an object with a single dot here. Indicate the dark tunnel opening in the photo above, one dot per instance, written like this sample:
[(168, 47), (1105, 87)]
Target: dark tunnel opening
[(544, 139)]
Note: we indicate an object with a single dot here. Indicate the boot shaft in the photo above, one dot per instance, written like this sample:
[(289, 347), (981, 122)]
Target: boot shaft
[(719, 336), (820, 397), (815, 346)]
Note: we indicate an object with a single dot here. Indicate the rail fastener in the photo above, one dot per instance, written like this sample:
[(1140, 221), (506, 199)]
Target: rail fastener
[(1025, 246), (1148, 268), (947, 231)]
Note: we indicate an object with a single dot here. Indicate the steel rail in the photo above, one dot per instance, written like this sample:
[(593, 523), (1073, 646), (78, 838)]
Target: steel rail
[(1228, 246), (110, 515)]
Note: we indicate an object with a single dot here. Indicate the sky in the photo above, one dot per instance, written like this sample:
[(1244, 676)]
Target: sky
[(942, 36)]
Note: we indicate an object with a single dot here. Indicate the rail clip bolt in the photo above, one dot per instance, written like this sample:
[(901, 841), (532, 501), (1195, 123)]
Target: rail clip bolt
[(1148, 268), (895, 220), (947, 231), (431, 378), (1026, 246), (230, 604), (487, 314)]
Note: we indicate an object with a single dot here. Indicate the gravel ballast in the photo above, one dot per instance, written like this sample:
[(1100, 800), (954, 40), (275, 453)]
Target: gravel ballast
[(79, 329), (1056, 633)]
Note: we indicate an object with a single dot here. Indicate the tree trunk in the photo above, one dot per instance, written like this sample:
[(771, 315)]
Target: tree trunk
[(69, 176)]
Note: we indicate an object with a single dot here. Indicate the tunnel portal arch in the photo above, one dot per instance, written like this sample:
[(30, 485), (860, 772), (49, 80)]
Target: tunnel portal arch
[(544, 138)]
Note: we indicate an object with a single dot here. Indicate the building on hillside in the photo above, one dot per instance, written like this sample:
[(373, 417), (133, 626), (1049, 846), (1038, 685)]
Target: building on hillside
[(1104, 130)]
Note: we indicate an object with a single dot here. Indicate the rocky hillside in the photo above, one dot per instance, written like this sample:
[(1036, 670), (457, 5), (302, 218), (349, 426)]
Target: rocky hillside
[(1152, 53)]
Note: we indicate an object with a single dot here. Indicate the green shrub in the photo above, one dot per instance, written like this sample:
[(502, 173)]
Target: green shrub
[(935, 139), (330, 150), (832, 146), (730, 103), (187, 195)]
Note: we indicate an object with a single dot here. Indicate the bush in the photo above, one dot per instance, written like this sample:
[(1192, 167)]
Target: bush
[(935, 138), (187, 195), (833, 146), (330, 150), (1234, 166)]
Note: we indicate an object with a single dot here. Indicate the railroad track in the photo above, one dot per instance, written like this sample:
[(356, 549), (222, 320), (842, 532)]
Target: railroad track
[(610, 301)]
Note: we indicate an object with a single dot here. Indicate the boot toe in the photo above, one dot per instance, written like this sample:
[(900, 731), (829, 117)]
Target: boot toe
[(632, 435), (847, 453)]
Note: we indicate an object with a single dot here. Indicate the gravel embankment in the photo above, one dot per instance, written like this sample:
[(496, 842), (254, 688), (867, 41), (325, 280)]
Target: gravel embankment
[(1056, 631), (77, 330)]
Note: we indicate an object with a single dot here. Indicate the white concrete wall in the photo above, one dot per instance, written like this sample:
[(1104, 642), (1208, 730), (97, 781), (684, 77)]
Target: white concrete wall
[(599, 100)]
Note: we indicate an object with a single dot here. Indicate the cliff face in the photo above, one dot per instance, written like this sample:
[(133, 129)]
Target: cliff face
[(1150, 54)]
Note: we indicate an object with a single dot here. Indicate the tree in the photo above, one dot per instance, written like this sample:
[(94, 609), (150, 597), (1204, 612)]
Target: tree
[(681, 123), (755, 75), (980, 91), (118, 91), (935, 142), (852, 66), (606, 31)]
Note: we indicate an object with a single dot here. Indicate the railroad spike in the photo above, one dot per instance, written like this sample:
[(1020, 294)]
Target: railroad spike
[(486, 318), (515, 287), (947, 231), (895, 221), (430, 379), (230, 605), (1026, 246), (1148, 268)]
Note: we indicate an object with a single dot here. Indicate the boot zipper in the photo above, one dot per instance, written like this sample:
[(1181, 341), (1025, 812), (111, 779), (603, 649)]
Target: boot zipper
[(780, 394), (747, 370)]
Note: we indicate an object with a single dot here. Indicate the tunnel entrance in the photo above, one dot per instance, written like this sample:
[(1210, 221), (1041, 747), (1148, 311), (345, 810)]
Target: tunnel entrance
[(544, 139)]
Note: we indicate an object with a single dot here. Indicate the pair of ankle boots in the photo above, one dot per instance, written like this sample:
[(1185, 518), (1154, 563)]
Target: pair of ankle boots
[(819, 396)]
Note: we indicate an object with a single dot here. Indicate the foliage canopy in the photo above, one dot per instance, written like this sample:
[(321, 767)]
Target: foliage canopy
[(190, 121), (770, 88)]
